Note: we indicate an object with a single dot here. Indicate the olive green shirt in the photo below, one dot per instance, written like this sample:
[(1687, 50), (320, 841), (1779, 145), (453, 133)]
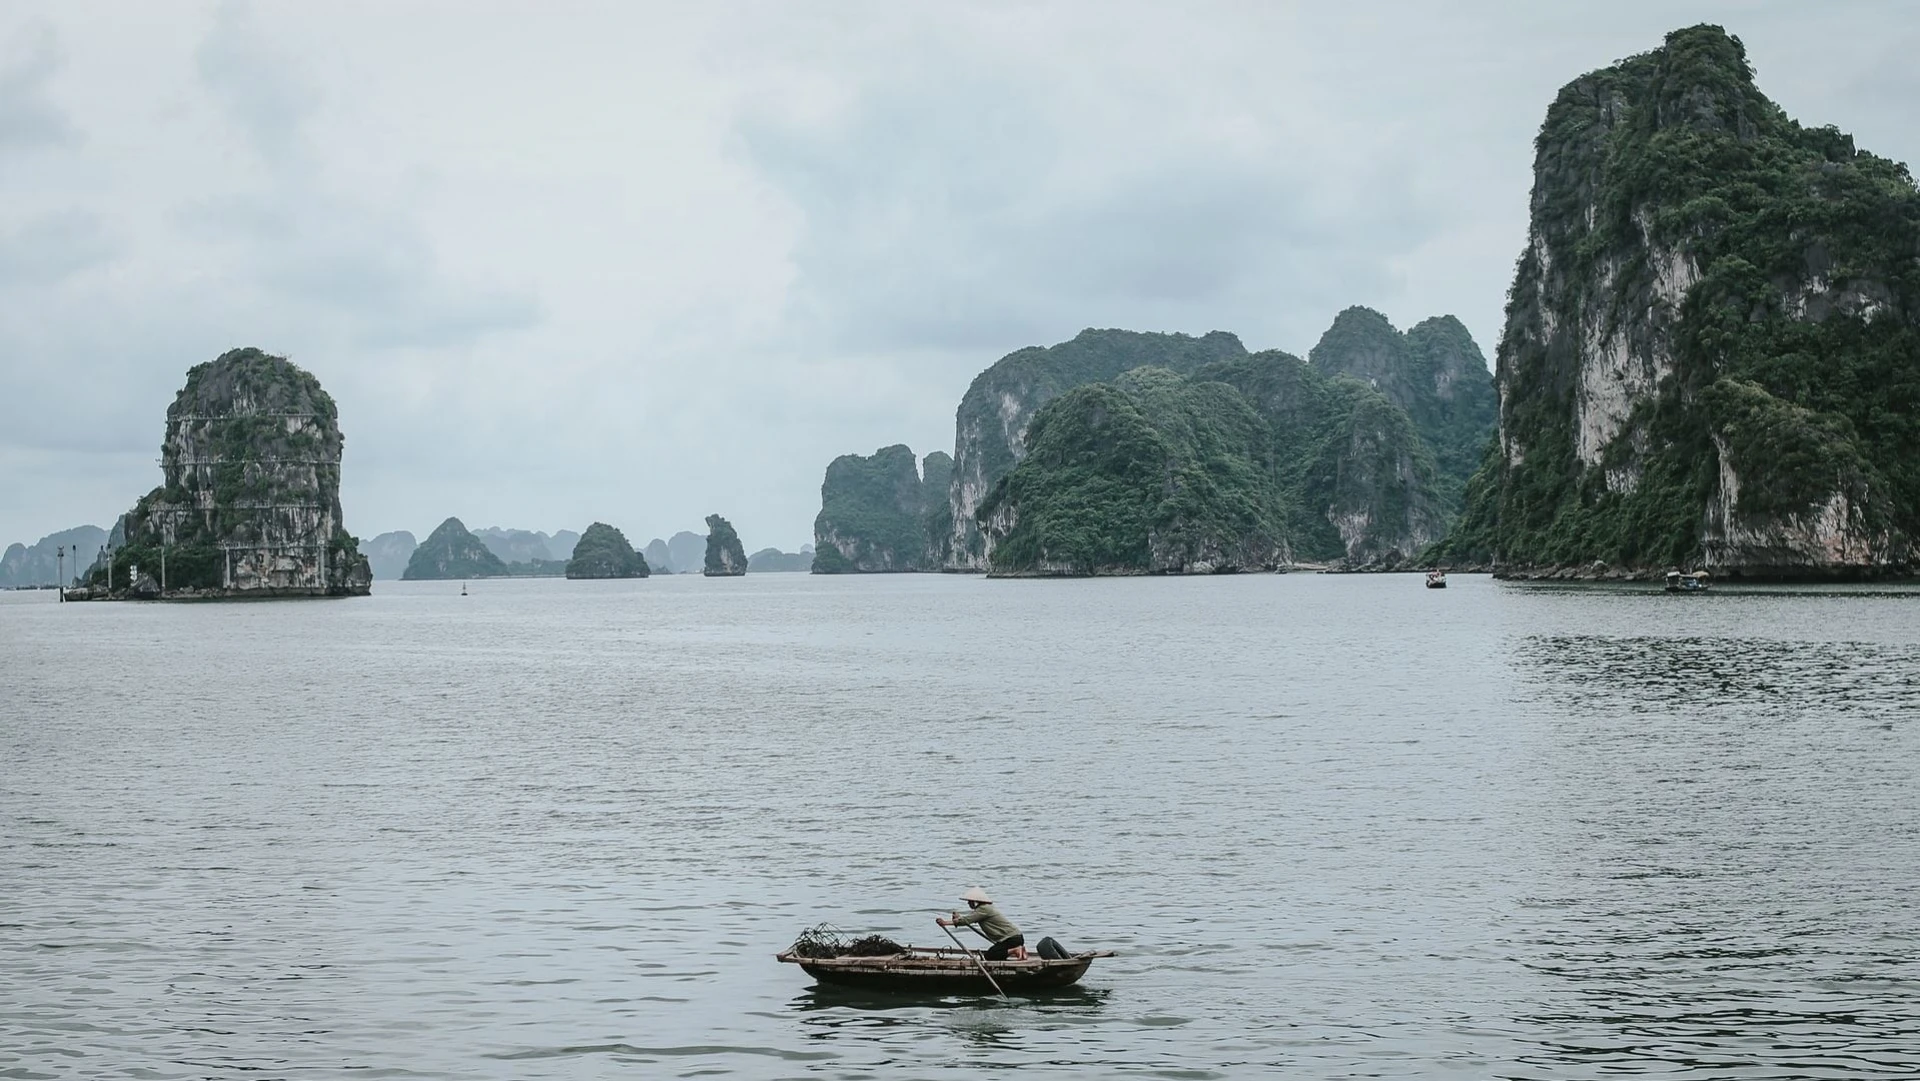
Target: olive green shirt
[(989, 922)]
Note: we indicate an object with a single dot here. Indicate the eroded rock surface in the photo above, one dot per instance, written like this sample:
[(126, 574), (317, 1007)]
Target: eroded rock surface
[(1711, 337), (726, 557), (250, 505)]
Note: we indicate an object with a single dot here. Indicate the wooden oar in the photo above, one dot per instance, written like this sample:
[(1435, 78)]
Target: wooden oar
[(982, 965)]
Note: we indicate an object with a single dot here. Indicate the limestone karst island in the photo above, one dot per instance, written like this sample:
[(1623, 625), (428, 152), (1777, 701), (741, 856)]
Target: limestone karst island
[(1132, 453), (250, 504), (1711, 341), (976, 541), (726, 557), (1707, 363), (603, 552)]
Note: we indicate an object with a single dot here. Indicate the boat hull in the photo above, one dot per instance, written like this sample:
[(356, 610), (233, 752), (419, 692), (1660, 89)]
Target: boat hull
[(945, 972)]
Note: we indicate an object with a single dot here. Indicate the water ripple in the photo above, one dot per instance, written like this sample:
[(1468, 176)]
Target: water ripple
[(1335, 827)]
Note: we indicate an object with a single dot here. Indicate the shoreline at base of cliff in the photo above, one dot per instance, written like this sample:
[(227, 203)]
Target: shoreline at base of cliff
[(1737, 575), (95, 593)]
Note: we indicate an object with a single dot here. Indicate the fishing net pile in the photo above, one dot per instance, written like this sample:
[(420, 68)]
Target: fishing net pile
[(828, 941)]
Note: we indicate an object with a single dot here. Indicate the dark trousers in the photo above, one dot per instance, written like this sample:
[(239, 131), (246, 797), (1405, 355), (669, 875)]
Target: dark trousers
[(999, 950)]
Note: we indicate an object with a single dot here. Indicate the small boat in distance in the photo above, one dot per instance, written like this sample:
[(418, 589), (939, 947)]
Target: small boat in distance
[(1692, 582), (1436, 579), (944, 970)]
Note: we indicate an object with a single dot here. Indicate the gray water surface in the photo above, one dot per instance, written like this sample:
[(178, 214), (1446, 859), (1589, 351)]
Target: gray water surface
[(1335, 826)]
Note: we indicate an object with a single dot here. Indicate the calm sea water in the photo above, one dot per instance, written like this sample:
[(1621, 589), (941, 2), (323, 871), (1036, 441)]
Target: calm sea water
[(1335, 826)]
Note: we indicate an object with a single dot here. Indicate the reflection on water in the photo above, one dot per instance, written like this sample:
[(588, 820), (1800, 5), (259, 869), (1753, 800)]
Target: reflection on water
[(983, 1024), (1735, 844), (822, 996), (1758, 678)]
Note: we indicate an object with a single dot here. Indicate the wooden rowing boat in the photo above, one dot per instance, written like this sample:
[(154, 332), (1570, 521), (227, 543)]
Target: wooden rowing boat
[(944, 970)]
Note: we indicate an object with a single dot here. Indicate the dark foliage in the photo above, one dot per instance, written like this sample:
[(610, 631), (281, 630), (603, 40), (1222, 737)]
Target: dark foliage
[(726, 557), (875, 513), (450, 551), (1795, 356), (603, 552)]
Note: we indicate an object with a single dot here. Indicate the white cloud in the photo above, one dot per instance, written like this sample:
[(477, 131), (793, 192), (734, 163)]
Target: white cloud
[(50, 248), (28, 118), (985, 188), (257, 84)]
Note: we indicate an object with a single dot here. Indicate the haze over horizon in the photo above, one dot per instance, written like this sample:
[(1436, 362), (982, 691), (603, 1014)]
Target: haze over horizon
[(641, 264)]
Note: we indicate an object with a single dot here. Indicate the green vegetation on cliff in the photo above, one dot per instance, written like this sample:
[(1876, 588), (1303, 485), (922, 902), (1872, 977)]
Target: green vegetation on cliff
[(1711, 353), (250, 501), (603, 552), (450, 551), (882, 513), (1434, 372), (1171, 453), (1356, 481), (1245, 464), (991, 423), (1151, 473), (1038, 374)]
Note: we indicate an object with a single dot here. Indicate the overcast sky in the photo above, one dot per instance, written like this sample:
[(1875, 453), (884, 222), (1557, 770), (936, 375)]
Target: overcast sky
[(639, 263)]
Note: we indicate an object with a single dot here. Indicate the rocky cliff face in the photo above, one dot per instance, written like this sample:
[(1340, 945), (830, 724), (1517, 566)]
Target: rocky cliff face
[(451, 551), (1359, 482), (1434, 372), (1375, 483), (1710, 338), (687, 552), (44, 562), (883, 513), (1152, 474), (726, 557), (1246, 464), (990, 427), (388, 553), (659, 558), (251, 499)]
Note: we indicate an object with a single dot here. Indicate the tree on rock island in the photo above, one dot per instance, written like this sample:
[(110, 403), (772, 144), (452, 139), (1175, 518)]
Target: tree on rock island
[(603, 552), (452, 551)]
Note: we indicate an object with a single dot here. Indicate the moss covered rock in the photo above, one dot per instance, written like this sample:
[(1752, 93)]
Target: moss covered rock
[(726, 557), (1153, 474), (1712, 336), (603, 552), (250, 504), (1434, 372), (451, 551), (990, 427), (1244, 465), (884, 512)]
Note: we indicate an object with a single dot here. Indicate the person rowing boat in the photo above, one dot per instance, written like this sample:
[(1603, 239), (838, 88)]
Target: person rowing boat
[(988, 923)]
